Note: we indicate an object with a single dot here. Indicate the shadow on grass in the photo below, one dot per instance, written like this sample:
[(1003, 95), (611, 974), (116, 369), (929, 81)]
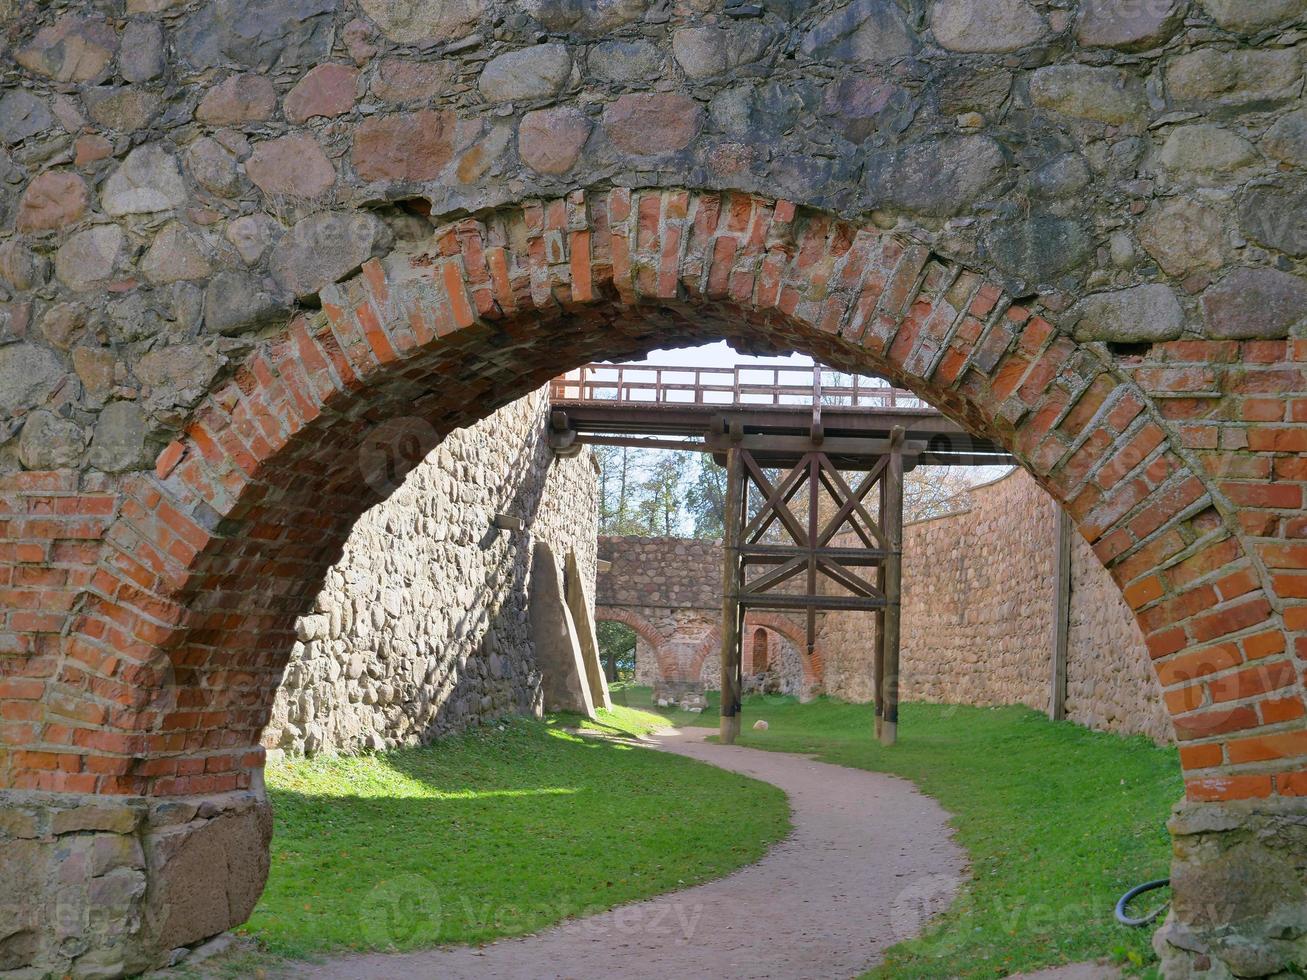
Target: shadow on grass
[(495, 833)]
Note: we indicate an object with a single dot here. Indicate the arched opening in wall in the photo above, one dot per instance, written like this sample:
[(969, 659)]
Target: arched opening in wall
[(422, 625), (760, 658), (214, 557), (663, 487), (617, 647), (445, 332)]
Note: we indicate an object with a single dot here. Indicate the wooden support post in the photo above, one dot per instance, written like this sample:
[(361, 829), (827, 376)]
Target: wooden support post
[(878, 667), (732, 668), (814, 521), (892, 527), (1061, 613)]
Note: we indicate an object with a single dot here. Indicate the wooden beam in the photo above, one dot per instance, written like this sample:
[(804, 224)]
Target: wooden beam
[(768, 445), (1061, 613), (776, 554), (644, 442), (731, 649), (887, 717), (814, 522), (829, 603)]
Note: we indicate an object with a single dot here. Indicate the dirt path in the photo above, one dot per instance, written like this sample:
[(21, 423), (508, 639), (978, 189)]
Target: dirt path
[(869, 859)]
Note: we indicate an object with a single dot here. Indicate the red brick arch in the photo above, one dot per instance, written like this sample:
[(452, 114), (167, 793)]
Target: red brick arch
[(778, 623), (798, 637), (667, 666), (757, 652), (154, 668)]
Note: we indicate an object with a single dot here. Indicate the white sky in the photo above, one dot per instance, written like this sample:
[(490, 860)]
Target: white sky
[(719, 354)]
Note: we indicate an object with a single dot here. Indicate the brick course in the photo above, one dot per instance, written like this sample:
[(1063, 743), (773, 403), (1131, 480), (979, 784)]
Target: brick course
[(203, 570)]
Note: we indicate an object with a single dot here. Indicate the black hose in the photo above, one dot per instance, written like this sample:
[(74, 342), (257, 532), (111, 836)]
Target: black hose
[(1132, 894)]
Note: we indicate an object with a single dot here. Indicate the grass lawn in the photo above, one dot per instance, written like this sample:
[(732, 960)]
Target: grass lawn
[(1059, 821), (498, 832), (641, 699)]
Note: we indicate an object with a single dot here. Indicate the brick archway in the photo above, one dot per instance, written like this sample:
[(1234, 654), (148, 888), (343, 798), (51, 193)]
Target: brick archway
[(211, 558), (757, 651), (646, 630), (792, 631), (157, 653), (778, 623)]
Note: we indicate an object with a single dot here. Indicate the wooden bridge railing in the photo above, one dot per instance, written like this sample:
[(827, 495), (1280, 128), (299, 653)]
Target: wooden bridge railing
[(751, 385)]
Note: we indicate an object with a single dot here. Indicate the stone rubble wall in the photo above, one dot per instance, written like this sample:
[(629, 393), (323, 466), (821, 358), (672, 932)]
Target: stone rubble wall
[(673, 573), (782, 674), (92, 878), (421, 628), (977, 620), (1111, 684), (179, 177), (671, 588)]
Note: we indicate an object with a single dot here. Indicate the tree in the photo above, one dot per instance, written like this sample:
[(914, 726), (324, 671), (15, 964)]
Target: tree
[(705, 499), (618, 467), (932, 491), (660, 505), (617, 649)]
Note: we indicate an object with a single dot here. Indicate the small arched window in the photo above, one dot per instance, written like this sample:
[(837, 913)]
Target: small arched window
[(761, 661)]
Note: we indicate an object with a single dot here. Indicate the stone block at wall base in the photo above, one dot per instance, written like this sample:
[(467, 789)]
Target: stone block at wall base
[(97, 886), (557, 647), (1239, 877), (581, 608)]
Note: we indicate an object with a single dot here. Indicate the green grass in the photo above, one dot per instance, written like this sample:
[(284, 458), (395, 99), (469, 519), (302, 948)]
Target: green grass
[(498, 832), (641, 699), (1058, 821), (621, 722)]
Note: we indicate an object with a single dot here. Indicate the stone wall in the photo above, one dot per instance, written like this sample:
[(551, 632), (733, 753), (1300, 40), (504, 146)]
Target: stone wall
[(673, 573), (772, 664), (978, 600), (1111, 684), (190, 355), (421, 628), (669, 591), (977, 621)]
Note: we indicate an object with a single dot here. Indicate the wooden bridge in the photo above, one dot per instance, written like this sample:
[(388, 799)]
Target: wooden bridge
[(799, 534), (692, 408)]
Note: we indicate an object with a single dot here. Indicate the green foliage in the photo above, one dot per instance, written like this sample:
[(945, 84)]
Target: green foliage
[(616, 649), (659, 493), (660, 505), (705, 499), (498, 832), (619, 474)]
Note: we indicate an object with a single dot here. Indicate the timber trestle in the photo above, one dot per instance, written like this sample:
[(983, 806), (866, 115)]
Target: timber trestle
[(813, 510)]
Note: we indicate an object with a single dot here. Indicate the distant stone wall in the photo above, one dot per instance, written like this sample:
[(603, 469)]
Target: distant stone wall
[(1111, 684), (669, 591), (977, 620), (977, 615), (422, 628), (672, 573)]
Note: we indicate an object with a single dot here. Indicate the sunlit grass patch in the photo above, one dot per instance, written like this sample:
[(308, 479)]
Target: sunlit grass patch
[(1058, 821), (502, 831)]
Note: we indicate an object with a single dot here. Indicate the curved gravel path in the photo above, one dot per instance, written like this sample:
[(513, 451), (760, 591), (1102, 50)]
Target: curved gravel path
[(870, 858)]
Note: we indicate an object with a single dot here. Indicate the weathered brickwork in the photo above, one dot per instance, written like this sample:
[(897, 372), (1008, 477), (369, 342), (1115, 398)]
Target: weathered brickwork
[(1110, 682), (978, 616), (422, 627), (668, 590), (1072, 227)]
